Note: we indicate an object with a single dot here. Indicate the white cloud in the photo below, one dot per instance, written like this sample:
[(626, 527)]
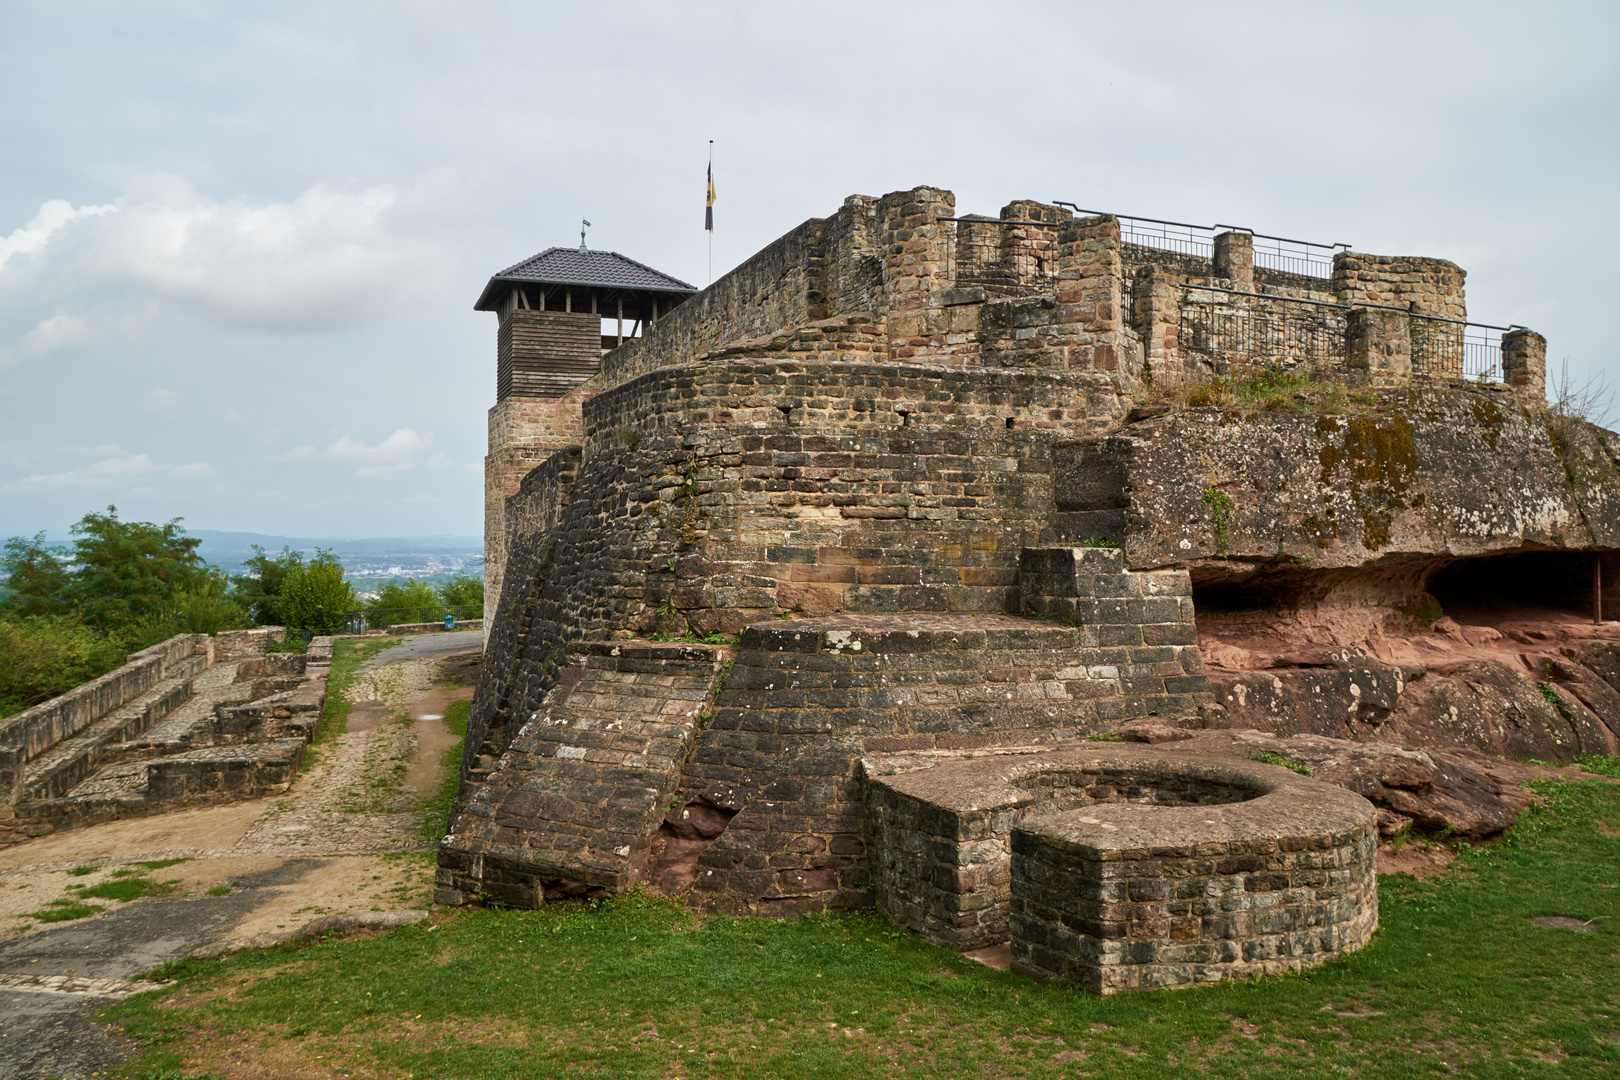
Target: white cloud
[(297, 453), (116, 470), (51, 217), (398, 453), (56, 332), (325, 258), (159, 399)]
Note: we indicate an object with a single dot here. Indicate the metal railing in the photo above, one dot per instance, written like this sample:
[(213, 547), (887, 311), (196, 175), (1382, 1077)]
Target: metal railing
[(1462, 350), (1294, 256), (1009, 256), (1227, 327), (1302, 257)]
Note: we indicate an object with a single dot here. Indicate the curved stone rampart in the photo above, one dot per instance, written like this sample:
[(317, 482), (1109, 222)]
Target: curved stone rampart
[(1114, 867), (710, 496)]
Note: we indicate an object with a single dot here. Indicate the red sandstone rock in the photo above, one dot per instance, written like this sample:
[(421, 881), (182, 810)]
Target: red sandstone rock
[(1432, 788), (697, 820), (1152, 731)]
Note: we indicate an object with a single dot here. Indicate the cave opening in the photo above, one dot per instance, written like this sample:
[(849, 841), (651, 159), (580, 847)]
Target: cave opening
[(1528, 581)]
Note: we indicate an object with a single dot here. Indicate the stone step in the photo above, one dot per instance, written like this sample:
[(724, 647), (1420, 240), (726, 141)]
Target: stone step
[(56, 771), (579, 794), (807, 697), (193, 778)]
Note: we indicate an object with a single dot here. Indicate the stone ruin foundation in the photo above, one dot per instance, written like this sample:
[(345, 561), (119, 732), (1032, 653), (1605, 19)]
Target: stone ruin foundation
[(1118, 867)]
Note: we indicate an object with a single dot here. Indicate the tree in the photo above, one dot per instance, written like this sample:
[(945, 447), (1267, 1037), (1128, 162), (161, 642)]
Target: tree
[(463, 591), (36, 579), (395, 597), (263, 586), (315, 596), (129, 570)]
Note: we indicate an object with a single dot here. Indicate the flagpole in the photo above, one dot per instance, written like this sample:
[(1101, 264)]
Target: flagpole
[(711, 231)]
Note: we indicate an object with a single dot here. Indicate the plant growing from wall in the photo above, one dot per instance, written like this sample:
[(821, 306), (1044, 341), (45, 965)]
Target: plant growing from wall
[(1221, 509)]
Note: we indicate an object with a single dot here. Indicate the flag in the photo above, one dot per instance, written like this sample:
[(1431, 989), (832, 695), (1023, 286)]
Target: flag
[(708, 205)]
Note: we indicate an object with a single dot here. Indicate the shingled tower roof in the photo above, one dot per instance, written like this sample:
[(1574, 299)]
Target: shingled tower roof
[(588, 269)]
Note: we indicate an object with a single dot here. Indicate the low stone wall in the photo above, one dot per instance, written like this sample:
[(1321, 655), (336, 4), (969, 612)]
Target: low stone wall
[(434, 627), (37, 729), (1136, 898), (235, 644), (1114, 867)]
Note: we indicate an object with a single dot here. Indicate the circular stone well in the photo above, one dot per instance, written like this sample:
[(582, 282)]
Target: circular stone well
[(1115, 867)]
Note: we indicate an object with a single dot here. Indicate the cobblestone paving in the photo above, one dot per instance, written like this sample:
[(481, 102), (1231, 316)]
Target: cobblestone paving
[(212, 687), (329, 811), (392, 684)]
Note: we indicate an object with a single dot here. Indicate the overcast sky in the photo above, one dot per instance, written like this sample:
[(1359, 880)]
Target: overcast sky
[(240, 243)]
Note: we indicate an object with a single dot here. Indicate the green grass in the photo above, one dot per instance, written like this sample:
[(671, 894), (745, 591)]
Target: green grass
[(62, 909), (1601, 764), (1457, 982), (1277, 759), (347, 656), (437, 808), (159, 864), (126, 888), (220, 890), (83, 871)]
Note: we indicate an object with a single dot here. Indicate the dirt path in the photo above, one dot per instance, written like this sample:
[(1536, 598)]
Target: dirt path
[(348, 837)]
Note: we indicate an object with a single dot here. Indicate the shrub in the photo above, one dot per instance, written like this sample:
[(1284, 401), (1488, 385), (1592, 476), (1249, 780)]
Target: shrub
[(315, 596), (50, 655), (403, 601)]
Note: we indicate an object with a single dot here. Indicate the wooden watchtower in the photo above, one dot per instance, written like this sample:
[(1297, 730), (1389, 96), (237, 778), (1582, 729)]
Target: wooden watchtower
[(554, 308)]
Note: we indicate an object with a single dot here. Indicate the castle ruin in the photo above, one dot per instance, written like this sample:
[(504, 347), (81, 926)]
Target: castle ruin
[(910, 487)]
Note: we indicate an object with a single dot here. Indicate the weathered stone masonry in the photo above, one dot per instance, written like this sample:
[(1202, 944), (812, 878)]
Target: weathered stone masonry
[(897, 453)]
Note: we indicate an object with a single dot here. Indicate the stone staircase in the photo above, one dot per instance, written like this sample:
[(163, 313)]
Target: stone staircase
[(203, 734), (593, 795), (578, 797)]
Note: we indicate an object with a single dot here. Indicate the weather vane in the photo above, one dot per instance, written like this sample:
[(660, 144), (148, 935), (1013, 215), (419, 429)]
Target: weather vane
[(582, 226)]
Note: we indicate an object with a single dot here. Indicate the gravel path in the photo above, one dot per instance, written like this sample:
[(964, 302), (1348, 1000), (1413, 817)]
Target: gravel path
[(322, 847)]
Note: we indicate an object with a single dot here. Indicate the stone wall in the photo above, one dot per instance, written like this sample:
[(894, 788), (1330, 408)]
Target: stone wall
[(235, 644), (782, 286), (807, 698), (48, 751), (1428, 475), (37, 729), (523, 433), (726, 493)]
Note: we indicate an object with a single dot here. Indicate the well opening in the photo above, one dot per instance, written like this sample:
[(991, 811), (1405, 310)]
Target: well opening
[(1059, 790)]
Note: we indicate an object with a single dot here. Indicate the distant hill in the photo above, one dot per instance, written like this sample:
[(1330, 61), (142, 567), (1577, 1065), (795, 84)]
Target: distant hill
[(216, 545), (375, 558)]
